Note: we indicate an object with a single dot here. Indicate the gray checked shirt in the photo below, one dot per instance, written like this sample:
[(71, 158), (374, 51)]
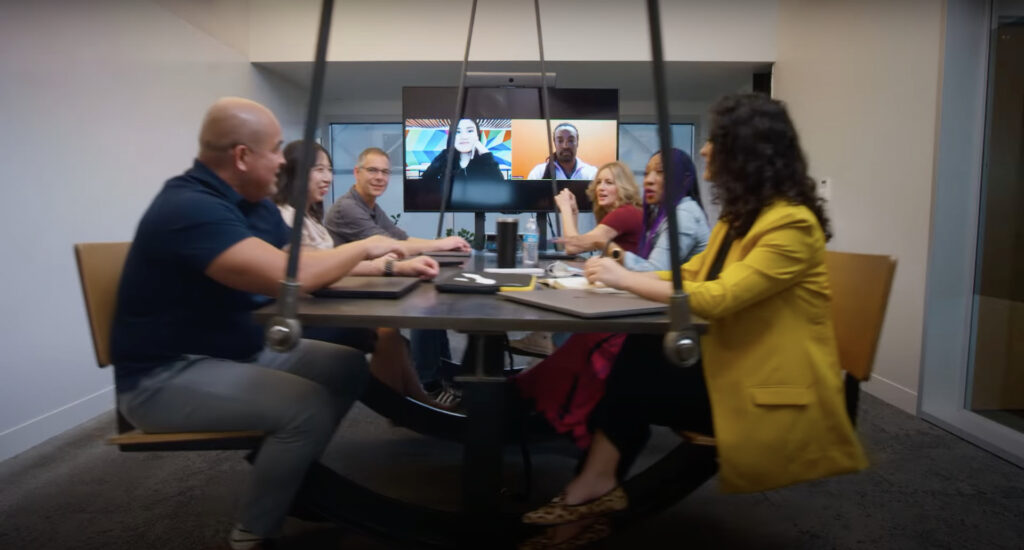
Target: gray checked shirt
[(351, 219)]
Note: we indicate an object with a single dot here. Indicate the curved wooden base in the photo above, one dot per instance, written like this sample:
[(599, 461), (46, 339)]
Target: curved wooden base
[(335, 497), (488, 519)]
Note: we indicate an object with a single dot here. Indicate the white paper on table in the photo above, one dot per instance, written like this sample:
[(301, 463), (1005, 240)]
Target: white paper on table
[(569, 282), (581, 283), (523, 270)]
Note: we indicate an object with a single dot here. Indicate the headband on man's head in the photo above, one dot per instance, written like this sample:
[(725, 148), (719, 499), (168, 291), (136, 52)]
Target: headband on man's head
[(566, 125)]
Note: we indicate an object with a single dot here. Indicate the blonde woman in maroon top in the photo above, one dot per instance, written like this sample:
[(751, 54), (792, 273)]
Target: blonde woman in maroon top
[(616, 199)]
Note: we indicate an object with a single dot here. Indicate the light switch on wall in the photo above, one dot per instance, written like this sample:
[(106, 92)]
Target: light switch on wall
[(825, 188)]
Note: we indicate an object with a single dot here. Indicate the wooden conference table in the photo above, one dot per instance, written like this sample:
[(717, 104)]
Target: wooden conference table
[(485, 319)]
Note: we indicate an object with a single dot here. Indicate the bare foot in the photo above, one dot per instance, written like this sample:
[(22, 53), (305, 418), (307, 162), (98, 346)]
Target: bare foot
[(582, 490)]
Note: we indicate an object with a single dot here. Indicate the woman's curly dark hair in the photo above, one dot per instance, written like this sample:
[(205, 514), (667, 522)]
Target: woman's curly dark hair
[(756, 159)]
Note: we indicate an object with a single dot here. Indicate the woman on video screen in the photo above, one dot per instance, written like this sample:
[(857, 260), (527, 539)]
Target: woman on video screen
[(473, 163)]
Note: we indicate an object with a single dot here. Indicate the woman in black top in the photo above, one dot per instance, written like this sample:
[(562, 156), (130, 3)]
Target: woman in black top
[(473, 163)]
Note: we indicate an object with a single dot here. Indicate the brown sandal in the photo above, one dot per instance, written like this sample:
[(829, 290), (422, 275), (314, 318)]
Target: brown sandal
[(558, 512)]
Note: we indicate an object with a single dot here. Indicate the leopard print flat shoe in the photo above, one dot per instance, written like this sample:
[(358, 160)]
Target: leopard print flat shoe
[(600, 529), (558, 512)]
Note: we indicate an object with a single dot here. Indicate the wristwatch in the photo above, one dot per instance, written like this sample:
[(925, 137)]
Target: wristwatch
[(389, 267), (615, 252)]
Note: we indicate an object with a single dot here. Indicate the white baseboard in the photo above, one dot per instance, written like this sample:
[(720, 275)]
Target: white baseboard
[(892, 393), (22, 438)]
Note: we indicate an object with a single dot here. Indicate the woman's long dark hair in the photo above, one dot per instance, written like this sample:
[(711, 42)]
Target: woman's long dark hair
[(286, 178), (756, 159)]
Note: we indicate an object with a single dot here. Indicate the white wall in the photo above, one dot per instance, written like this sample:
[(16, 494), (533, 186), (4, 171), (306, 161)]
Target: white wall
[(581, 30), (101, 102), (225, 20), (861, 81)]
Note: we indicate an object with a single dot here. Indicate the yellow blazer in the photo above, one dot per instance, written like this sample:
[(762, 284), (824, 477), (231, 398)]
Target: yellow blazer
[(770, 357)]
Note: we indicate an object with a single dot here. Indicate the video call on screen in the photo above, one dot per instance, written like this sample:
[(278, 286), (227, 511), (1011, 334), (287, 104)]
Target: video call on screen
[(508, 124)]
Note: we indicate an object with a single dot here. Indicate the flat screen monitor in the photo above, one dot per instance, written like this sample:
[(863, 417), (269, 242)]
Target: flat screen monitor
[(502, 146)]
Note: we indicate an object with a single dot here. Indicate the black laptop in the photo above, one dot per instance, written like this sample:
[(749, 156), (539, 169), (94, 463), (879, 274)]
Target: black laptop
[(368, 287), (444, 261), (448, 254), (588, 304)]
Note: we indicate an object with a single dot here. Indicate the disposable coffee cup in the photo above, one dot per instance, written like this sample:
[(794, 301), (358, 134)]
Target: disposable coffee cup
[(508, 229)]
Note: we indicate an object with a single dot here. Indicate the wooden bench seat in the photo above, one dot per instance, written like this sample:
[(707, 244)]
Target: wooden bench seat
[(135, 437), (99, 269), (138, 441)]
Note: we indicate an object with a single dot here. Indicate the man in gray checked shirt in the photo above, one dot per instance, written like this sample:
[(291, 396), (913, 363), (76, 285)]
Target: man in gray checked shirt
[(356, 215)]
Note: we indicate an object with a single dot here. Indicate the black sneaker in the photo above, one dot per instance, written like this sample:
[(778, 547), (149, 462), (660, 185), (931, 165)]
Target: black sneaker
[(433, 387), (448, 395), (242, 539)]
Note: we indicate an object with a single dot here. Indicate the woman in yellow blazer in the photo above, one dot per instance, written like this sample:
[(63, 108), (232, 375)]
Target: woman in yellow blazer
[(769, 358)]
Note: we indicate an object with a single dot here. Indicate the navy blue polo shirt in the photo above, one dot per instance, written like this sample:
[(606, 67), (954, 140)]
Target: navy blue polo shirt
[(167, 306)]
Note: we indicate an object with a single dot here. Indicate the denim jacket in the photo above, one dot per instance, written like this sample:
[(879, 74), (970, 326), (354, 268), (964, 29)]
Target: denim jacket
[(693, 238)]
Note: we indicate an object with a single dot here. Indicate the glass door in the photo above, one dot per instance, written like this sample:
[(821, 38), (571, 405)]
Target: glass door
[(972, 377), (995, 387)]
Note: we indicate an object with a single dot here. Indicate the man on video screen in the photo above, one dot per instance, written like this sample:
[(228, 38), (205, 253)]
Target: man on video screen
[(566, 164)]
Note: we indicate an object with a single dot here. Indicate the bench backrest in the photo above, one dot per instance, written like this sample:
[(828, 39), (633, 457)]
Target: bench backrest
[(99, 269), (860, 292)]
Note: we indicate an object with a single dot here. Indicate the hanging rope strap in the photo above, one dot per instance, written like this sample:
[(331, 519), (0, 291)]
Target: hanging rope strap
[(680, 344), (547, 118), (284, 330), (460, 108)]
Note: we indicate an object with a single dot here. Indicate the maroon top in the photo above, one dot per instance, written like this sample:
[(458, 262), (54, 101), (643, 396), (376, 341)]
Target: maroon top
[(628, 221)]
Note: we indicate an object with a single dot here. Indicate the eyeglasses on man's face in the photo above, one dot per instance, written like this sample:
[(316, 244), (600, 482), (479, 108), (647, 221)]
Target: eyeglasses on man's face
[(374, 171)]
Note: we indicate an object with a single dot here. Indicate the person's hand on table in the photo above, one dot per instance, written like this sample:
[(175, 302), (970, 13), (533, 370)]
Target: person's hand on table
[(453, 243), (606, 271), (423, 267), (379, 245)]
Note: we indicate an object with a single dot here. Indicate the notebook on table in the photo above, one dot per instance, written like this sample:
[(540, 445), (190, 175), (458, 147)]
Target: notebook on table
[(475, 282), (587, 303), (563, 283), (368, 287)]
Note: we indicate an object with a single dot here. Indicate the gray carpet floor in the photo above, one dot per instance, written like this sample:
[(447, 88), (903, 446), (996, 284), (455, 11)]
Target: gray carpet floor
[(925, 489)]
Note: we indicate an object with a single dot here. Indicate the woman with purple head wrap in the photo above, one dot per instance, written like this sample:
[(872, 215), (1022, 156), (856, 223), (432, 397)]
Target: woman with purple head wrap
[(683, 194)]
